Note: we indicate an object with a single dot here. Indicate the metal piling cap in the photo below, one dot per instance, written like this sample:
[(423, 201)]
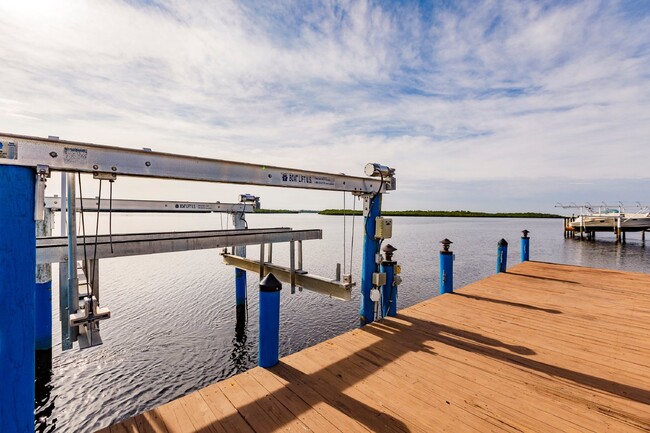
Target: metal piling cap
[(388, 249), (445, 244), (270, 284), (525, 233), (502, 243)]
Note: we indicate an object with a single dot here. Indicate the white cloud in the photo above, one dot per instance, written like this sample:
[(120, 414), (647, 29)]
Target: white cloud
[(504, 90)]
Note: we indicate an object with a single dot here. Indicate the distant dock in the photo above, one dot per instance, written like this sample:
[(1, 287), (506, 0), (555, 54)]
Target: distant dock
[(542, 348)]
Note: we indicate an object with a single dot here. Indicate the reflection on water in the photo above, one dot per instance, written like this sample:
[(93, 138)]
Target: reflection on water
[(243, 351), (44, 402), (175, 328)]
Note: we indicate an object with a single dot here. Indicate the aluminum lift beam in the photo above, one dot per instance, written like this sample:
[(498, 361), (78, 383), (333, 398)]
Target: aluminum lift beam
[(326, 286), (72, 156), (55, 249), (143, 206)]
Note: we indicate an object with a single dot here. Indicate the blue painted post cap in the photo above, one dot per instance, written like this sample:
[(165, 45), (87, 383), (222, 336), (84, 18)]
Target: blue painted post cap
[(270, 284)]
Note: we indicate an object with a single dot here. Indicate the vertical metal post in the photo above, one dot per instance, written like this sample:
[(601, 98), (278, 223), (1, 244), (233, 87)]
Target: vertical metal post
[(371, 210), (63, 266), (269, 321), (525, 246), (292, 266), (239, 222), (502, 255), (261, 261), (71, 289), (446, 268), (43, 293), (17, 277), (300, 255)]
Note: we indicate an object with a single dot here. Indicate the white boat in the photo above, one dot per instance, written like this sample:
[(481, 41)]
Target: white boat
[(611, 220)]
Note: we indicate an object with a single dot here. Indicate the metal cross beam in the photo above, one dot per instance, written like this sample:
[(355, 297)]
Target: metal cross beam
[(326, 286), (122, 205), (55, 249), (71, 156)]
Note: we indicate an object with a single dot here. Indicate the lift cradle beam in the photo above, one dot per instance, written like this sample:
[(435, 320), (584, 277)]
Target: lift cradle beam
[(72, 156), (336, 289), (144, 206), (55, 249)]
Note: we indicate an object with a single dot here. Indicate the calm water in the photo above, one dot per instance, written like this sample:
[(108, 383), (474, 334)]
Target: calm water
[(172, 329)]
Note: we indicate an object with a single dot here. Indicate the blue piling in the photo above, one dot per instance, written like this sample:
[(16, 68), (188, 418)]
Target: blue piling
[(43, 304), (446, 268), (241, 295), (17, 277), (525, 246), (240, 288), (369, 263), (389, 290), (502, 255), (269, 332)]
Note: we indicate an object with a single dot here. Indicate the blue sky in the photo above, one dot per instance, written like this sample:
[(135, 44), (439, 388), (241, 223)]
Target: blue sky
[(484, 105)]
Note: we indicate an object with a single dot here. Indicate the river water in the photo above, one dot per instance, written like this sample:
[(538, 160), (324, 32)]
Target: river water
[(172, 329)]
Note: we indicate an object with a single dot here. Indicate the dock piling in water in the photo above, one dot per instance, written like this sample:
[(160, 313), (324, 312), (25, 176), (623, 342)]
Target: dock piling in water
[(502, 255), (239, 222), (17, 278), (269, 325), (446, 267), (525, 246), (389, 290)]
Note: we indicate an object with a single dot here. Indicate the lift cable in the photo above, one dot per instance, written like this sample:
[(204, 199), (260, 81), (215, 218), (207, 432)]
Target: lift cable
[(344, 231)]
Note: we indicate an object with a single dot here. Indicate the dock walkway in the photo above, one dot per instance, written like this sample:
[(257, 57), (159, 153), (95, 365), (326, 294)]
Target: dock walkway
[(542, 348)]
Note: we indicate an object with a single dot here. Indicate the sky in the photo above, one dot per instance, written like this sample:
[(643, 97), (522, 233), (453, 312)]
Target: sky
[(478, 105)]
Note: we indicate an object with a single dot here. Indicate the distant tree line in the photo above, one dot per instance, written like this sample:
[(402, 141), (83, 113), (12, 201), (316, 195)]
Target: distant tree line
[(447, 213)]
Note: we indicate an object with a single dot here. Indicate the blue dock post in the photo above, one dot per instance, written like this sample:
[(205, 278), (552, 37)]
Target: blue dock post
[(372, 209), (17, 277), (525, 246), (43, 295), (389, 290), (502, 255), (446, 267), (269, 332)]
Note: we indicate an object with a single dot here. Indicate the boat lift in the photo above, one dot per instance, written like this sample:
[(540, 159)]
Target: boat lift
[(83, 325), (633, 219), (27, 162)]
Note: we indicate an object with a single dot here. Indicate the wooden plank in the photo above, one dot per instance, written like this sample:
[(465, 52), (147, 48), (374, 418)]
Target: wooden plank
[(223, 409), (126, 426), (150, 422), (281, 416), (175, 418), (298, 408), (200, 414)]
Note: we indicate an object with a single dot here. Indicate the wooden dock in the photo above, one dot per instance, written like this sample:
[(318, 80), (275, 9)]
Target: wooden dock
[(542, 348)]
